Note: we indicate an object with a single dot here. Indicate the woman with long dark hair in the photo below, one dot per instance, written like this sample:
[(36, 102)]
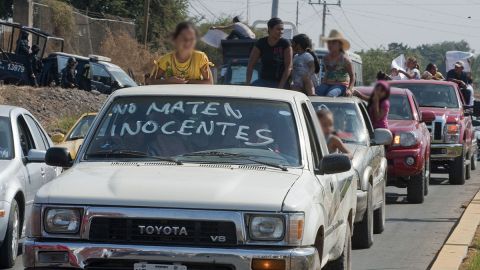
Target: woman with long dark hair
[(184, 64), (378, 104), (276, 55), (305, 65)]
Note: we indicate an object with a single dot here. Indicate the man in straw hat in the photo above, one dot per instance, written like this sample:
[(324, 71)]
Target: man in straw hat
[(339, 76)]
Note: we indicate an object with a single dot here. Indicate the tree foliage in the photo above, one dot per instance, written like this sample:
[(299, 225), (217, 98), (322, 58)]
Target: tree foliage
[(164, 15), (6, 9)]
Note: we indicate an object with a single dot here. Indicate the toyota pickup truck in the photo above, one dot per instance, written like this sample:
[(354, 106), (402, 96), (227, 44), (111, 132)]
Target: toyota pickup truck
[(197, 177), (453, 148)]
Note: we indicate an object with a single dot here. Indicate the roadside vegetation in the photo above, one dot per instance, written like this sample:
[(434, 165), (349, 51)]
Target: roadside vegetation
[(472, 262)]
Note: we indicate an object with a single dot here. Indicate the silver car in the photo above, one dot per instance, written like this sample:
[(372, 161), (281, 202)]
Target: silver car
[(23, 144), (352, 124)]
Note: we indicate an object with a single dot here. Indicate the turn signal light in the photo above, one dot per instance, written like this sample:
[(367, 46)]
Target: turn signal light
[(268, 264), (396, 140), (452, 129)]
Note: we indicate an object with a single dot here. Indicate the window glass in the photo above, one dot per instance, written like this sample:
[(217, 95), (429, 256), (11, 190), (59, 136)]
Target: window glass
[(195, 128), (37, 133), (81, 128), (6, 140), (432, 95), (100, 74), (347, 120), (26, 139), (400, 108), (62, 63)]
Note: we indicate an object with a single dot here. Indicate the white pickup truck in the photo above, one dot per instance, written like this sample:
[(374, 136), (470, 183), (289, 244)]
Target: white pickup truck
[(197, 177)]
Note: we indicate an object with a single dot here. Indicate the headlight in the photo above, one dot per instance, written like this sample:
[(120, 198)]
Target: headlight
[(62, 220), (287, 228), (267, 228), (452, 133), (405, 139)]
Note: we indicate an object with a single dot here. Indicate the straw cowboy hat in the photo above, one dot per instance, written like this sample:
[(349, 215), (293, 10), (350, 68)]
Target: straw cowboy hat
[(335, 35)]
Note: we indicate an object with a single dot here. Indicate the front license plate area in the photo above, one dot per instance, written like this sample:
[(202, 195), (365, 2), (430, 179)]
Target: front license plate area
[(151, 266)]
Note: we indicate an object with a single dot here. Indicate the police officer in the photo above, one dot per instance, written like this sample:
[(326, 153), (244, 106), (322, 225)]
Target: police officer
[(35, 65), (69, 74)]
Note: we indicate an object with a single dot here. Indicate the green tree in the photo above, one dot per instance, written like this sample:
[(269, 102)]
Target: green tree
[(6, 9)]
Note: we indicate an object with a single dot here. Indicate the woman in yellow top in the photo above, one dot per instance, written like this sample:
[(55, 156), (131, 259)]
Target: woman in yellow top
[(184, 64)]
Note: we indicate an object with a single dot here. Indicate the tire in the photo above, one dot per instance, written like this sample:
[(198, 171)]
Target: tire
[(363, 231), (379, 216), (457, 172), (344, 262), (416, 188), (473, 162), (9, 248)]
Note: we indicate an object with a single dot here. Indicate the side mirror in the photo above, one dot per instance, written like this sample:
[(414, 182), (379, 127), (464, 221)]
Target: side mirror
[(382, 136), (335, 163), (428, 116), (58, 157), (36, 156), (58, 137)]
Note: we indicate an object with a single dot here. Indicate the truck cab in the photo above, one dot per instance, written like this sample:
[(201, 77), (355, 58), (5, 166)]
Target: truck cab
[(183, 177), (93, 73)]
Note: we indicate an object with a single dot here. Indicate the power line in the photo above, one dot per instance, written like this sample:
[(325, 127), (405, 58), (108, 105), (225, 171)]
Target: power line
[(353, 28), (207, 9), (324, 13)]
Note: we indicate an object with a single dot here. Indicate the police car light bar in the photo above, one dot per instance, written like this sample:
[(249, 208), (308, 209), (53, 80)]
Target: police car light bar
[(94, 57)]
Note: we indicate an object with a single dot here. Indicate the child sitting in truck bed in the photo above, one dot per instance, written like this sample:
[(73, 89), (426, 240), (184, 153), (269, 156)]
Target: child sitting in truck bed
[(334, 143)]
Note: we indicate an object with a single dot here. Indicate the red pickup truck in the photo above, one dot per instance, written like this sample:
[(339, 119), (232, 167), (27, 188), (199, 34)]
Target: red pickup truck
[(407, 165), (452, 134)]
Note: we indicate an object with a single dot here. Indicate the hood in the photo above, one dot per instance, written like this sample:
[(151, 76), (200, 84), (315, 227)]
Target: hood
[(443, 112), (396, 126), (186, 186)]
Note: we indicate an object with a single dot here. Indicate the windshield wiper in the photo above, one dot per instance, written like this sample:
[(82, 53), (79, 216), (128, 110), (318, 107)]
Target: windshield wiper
[(132, 153), (235, 155)]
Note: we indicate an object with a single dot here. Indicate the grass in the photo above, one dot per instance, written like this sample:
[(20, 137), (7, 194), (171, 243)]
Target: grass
[(63, 124), (472, 262)]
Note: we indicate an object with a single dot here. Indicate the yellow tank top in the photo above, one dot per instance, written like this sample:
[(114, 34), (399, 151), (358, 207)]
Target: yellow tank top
[(189, 70)]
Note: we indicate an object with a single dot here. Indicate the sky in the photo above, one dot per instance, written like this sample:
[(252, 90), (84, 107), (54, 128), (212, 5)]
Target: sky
[(365, 23)]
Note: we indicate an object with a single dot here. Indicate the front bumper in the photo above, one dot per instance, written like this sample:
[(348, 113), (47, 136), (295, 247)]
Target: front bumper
[(362, 197), (445, 151), (397, 166), (81, 254)]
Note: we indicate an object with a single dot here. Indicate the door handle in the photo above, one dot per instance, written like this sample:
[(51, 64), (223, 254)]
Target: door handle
[(42, 172), (332, 187)]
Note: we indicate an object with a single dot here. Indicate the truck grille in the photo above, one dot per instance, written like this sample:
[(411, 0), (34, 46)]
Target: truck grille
[(437, 131), (128, 265), (162, 232)]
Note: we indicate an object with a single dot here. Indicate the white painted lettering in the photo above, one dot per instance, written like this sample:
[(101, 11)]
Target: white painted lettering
[(153, 107), (229, 111), (210, 109), (242, 135), (203, 125), (195, 105), (186, 124), (225, 125), (126, 127), (178, 106), (267, 140), (164, 128), (150, 127)]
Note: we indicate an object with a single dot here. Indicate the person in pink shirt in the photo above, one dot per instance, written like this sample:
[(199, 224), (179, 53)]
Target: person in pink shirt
[(378, 104)]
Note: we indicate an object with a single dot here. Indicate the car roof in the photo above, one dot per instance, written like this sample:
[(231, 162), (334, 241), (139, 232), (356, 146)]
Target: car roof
[(367, 90), (422, 82), (71, 55), (234, 91), (334, 99), (6, 110)]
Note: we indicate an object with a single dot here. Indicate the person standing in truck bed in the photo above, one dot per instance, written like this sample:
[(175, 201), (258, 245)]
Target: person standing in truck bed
[(276, 55), (239, 29)]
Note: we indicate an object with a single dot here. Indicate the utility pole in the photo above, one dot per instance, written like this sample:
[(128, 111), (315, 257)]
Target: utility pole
[(296, 18), (274, 8), (325, 5), (146, 17)]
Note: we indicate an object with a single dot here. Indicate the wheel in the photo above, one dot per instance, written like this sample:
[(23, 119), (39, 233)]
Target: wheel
[(457, 172), (416, 188), (473, 162), (379, 216), (344, 262), (363, 231), (9, 248)]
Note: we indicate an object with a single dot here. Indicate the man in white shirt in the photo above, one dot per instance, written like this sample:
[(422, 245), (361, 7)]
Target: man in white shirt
[(239, 30), (412, 72)]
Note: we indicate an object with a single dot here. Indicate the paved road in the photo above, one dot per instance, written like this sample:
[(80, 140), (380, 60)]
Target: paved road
[(414, 233)]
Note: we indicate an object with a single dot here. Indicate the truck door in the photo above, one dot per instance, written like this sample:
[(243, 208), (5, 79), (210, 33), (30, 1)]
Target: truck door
[(101, 78)]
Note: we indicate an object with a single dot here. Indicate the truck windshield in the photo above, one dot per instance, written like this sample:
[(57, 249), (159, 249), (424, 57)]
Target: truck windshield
[(6, 142), (122, 77), (400, 108), (347, 120), (197, 129), (432, 95)]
